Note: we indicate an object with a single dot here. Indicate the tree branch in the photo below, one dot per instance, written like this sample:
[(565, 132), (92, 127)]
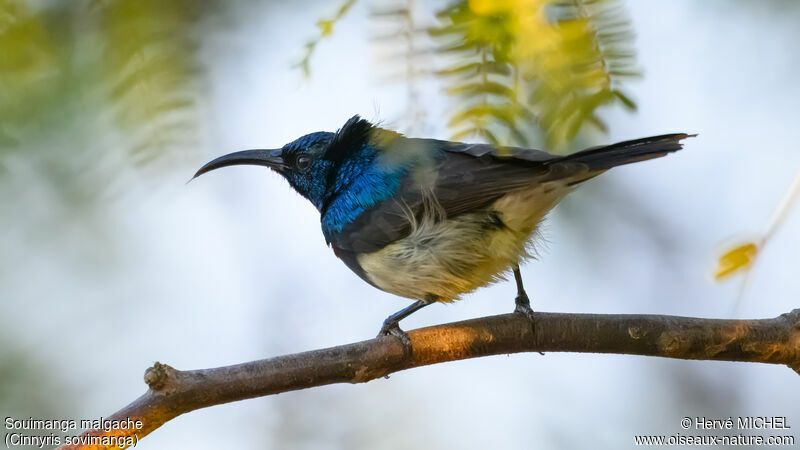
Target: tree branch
[(173, 392)]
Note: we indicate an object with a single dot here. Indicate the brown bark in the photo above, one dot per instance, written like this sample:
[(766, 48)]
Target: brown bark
[(173, 392)]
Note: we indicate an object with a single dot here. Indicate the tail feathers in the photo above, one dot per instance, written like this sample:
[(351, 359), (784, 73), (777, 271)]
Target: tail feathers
[(603, 158)]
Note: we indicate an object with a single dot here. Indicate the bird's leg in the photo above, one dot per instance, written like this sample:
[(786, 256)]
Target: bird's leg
[(391, 326), (523, 303)]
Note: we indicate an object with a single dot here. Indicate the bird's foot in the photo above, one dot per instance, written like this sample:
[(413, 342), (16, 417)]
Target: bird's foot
[(526, 311), (392, 328), (523, 306)]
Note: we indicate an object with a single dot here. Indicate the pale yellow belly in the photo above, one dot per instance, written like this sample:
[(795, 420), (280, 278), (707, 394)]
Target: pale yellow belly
[(441, 260)]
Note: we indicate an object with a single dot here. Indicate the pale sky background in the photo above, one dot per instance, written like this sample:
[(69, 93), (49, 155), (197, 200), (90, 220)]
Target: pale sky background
[(233, 267)]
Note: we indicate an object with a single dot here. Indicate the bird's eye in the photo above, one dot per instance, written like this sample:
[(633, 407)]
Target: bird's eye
[(302, 163)]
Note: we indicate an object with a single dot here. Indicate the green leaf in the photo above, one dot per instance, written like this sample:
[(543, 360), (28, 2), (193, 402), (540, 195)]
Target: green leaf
[(624, 99)]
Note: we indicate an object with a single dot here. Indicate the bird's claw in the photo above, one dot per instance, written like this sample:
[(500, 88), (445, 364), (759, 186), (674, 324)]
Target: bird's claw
[(525, 309), (393, 329), (523, 306)]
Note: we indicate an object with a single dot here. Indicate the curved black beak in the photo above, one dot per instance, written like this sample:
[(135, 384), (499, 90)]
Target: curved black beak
[(258, 157)]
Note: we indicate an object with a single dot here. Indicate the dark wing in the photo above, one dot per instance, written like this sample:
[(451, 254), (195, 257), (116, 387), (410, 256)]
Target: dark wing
[(473, 176), (468, 177)]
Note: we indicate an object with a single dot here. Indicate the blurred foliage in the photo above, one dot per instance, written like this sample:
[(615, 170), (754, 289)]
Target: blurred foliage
[(28, 386), (325, 27), (512, 66), (737, 259), (29, 67), (482, 75), (741, 256), (150, 62), (401, 46), (90, 89)]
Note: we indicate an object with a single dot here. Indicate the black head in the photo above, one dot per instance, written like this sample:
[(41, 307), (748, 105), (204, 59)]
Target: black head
[(309, 163)]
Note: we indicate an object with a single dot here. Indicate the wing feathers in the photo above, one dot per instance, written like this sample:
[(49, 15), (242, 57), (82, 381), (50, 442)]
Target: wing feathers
[(470, 177)]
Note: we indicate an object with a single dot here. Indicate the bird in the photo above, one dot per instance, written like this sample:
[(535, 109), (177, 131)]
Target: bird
[(431, 220)]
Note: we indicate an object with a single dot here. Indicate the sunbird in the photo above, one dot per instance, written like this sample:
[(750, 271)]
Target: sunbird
[(428, 219)]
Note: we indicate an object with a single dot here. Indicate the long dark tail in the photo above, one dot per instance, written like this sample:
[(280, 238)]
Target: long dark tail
[(599, 159)]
